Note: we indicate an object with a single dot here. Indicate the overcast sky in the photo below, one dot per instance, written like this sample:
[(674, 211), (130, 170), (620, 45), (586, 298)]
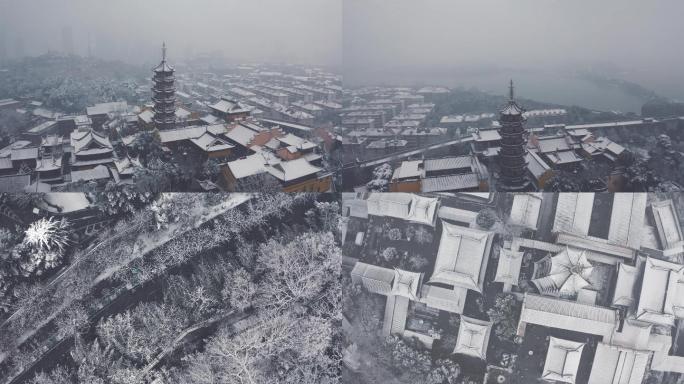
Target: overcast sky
[(298, 31), (642, 37)]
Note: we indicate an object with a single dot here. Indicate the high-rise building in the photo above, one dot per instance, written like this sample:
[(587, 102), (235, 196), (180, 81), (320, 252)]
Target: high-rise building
[(512, 154), (164, 97)]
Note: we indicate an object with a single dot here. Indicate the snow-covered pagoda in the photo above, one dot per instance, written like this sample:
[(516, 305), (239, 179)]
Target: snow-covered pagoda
[(512, 154), (164, 94)]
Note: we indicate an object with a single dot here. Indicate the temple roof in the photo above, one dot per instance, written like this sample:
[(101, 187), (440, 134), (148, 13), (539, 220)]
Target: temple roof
[(562, 360), (566, 273), (406, 284), (462, 257), (473, 337), (512, 108)]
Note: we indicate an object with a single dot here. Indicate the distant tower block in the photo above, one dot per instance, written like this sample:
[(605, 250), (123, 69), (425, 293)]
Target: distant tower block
[(164, 97), (512, 154)]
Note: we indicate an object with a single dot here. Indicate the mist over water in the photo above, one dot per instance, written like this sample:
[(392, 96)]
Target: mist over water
[(543, 44)]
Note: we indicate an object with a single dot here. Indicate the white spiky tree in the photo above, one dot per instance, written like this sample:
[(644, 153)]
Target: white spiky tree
[(48, 234), (43, 246)]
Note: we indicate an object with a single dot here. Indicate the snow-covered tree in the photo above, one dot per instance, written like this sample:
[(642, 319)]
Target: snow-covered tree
[(298, 271), (42, 248), (240, 290), (59, 375), (48, 234), (390, 253)]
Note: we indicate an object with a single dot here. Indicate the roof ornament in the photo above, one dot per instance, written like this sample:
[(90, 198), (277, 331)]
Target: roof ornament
[(164, 51), (510, 91)]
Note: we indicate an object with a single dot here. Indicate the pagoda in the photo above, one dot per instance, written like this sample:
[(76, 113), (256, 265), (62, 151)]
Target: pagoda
[(513, 152), (164, 96)]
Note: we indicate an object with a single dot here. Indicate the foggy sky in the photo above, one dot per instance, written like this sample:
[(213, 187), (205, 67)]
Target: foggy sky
[(293, 31), (640, 38)]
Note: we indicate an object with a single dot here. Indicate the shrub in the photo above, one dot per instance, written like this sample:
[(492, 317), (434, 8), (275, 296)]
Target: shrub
[(486, 219), (394, 234), (390, 254)]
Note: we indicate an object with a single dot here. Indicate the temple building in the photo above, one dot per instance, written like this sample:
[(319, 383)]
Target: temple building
[(164, 95), (562, 361), (512, 153)]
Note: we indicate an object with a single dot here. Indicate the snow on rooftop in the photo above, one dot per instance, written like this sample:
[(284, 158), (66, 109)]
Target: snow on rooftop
[(462, 257), (292, 170), (473, 337), (562, 360)]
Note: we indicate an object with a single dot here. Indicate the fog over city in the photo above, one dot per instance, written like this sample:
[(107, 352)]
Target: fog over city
[(301, 31), (458, 42)]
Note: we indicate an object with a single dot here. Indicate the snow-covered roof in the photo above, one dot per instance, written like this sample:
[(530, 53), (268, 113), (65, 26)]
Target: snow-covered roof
[(462, 257), (627, 277), (248, 166), (292, 170), (554, 144), (210, 143), (14, 183), (241, 135), (296, 141), (512, 109), (390, 204), (127, 165), (106, 108), (229, 106), (407, 284), (375, 279), (662, 292), (47, 164), (67, 202), (446, 163), (189, 133), (409, 169), (525, 209), (210, 119), (618, 365), (569, 315), (508, 268), (486, 135), (396, 311), (89, 142), (667, 223), (627, 219), (563, 157), (5, 163), (473, 337), (562, 360), (24, 154), (536, 165), (7, 151), (461, 182), (97, 173), (573, 213), (446, 299), (183, 114), (147, 116), (423, 210), (564, 274)]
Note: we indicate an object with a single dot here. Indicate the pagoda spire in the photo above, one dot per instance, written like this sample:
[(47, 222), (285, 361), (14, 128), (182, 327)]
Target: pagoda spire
[(513, 152), (164, 94)]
